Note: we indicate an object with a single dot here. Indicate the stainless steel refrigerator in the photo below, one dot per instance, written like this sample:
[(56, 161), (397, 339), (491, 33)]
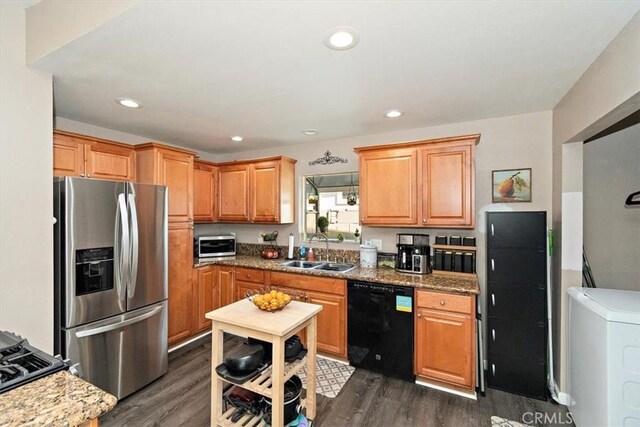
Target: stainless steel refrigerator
[(110, 281)]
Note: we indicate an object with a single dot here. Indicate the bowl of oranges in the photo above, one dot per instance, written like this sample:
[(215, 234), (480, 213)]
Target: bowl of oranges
[(271, 300)]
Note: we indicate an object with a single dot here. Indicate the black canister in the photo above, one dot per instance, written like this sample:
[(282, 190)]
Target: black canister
[(292, 392)]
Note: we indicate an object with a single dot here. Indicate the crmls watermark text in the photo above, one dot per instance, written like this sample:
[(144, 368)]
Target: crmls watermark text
[(547, 418)]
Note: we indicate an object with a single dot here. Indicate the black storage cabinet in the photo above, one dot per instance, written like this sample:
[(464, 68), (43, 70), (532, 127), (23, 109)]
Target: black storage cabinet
[(517, 302)]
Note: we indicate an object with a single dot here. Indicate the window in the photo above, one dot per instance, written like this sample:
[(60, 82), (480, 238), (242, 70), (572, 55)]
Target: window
[(331, 206)]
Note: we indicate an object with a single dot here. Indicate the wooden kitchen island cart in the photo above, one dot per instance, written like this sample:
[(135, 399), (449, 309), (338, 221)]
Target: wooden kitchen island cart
[(244, 319)]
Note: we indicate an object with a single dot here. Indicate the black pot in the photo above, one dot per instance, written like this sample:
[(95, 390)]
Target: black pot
[(292, 392), (292, 348), (245, 359)]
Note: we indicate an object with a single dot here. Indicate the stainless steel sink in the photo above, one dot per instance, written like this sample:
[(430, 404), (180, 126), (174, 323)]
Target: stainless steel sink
[(332, 266), (303, 264), (319, 265)]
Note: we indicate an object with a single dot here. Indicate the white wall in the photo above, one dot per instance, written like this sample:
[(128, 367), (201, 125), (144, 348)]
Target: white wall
[(611, 230), (607, 92), (522, 141), (26, 230)]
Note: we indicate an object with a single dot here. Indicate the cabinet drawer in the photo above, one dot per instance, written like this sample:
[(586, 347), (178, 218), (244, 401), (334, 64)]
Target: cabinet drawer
[(308, 283), (517, 301), (521, 375), (445, 302), (250, 275), (526, 338), (526, 266)]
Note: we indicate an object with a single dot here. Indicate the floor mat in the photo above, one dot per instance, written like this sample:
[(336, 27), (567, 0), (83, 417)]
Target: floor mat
[(331, 376), (503, 422)]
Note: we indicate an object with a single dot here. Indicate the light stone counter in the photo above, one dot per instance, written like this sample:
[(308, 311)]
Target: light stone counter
[(60, 399)]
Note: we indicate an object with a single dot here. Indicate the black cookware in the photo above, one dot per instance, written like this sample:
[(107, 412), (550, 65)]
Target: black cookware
[(244, 359), (292, 391), (293, 348)]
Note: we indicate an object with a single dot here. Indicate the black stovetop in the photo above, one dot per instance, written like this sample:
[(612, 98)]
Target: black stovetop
[(21, 363)]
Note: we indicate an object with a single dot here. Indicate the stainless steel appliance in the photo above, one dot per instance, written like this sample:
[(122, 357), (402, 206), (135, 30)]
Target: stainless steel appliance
[(214, 246), (21, 363), (110, 281), (413, 253), (380, 328)]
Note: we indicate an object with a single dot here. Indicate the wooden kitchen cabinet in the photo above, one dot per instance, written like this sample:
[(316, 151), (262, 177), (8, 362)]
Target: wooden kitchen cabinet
[(448, 174), (328, 292), (388, 187), (233, 193), (332, 335), (173, 167), (444, 338), (423, 184), (272, 191), (180, 267), (227, 285), (248, 280), (204, 191), (207, 293), (80, 155)]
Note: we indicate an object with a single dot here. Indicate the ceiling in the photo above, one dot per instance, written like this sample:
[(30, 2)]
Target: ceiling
[(205, 71)]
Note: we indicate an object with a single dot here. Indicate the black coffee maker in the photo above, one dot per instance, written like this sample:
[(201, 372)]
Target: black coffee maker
[(414, 253)]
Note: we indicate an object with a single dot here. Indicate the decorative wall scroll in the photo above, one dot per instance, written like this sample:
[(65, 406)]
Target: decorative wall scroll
[(328, 159)]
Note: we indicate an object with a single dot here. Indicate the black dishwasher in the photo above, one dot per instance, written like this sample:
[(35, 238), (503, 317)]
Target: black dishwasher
[(380, 328)]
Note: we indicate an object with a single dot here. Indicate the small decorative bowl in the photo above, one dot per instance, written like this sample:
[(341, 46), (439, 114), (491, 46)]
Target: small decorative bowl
[(265, 302)]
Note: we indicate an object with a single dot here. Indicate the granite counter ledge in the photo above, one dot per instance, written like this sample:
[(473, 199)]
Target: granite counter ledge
[(435, 281), (60, 399)]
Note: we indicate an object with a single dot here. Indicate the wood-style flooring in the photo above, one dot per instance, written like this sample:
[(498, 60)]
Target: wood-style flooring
[(182, 397)]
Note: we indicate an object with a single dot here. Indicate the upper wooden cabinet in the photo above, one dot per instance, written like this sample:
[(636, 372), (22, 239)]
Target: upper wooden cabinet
[(233, 193), (388, 183), (422, 184), (261, 191), (79, 155), (448, 175), (204, 191), (173, 167)]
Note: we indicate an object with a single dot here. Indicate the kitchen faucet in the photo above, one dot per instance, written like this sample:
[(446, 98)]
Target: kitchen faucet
[(326, 240)]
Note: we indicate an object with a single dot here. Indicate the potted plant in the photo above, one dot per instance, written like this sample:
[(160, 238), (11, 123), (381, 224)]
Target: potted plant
[(357, 235), (323, 223)]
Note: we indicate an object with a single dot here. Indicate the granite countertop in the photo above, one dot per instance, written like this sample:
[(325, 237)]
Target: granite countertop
[(435, 281), (60, 399)]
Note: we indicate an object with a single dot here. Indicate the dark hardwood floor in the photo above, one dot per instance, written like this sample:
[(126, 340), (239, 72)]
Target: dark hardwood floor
[(182, 398)]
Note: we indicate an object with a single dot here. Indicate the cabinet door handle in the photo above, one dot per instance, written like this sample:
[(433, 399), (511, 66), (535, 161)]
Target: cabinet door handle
[(493, 299), (442, 303), (82, 174), (493, 265), (419, 314), (493, 233), (493, 334), (493, 369), (424, 219)]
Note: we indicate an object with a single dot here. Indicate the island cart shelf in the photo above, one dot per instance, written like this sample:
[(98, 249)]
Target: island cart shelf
[(245, 319)]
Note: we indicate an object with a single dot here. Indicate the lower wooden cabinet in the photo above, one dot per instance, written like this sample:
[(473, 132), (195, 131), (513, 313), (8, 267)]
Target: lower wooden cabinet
[(180, 281), (207, 291), (244, 288), (445, 338), (332, 325), (227, 285)]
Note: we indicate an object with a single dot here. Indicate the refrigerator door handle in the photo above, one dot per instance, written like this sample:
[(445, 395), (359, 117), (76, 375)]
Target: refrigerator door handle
[(121, 249), (118, 325), (133, 256)]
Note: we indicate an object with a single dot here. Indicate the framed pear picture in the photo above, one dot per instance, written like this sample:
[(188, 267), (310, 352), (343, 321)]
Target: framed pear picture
[(511, 186)]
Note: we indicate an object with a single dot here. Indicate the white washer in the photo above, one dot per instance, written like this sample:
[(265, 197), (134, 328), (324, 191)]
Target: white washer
[(604, 357)]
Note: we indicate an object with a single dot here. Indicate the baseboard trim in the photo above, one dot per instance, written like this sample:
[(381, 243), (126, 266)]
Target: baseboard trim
[(189, 341), (457, 392), (564, 399)]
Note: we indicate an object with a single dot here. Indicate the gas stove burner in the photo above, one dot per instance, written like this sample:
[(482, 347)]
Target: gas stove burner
[(21, 363)]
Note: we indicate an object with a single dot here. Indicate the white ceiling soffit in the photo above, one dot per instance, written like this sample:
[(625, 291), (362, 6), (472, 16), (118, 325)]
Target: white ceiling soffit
[(205, 71)]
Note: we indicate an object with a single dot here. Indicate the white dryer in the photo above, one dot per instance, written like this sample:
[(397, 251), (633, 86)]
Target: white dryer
[(604, 357)]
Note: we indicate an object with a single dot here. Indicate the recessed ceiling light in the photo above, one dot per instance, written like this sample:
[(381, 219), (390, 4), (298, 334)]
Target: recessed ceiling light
[(310, 132), (237, 138), (129, 103), (341, 38), (392, 114)]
